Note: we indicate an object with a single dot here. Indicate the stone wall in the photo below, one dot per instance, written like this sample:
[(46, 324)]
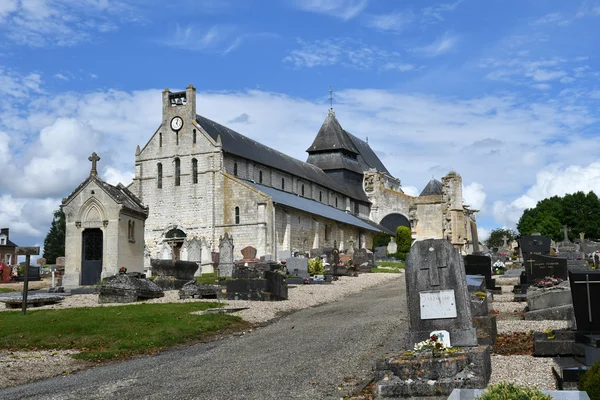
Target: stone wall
[(386, 196)]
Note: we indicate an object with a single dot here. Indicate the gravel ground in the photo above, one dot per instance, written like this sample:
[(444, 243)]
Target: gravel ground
[(17, 368), (509, 307), (523, 370), (526, 326)]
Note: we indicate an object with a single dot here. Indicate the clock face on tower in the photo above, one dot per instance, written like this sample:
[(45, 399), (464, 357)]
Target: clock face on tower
[(176, 123)]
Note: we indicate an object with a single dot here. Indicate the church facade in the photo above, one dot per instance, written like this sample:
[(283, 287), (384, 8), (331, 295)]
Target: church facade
[(201, 179)]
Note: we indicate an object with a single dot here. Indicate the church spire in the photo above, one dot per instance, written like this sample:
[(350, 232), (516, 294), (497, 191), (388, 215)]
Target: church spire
[(330, 100)]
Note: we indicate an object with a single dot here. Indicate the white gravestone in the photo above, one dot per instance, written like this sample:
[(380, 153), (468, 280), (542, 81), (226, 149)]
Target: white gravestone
[(443, 336)]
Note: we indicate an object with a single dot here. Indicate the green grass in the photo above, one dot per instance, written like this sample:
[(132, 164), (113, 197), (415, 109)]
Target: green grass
[(8, 290), (110, 332)]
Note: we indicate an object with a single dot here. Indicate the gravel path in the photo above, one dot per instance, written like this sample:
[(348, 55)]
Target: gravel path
[(316, 353), (526, 371), (17, 368)]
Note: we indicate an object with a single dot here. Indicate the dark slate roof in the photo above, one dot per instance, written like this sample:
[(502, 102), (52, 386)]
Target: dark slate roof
[(331, 136), (433, 188), (8, 244), (237, 144), (367, 156), (314, 207), (120, 194)]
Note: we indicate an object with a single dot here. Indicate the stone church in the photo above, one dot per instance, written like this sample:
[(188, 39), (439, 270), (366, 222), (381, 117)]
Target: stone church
[(196, 178)]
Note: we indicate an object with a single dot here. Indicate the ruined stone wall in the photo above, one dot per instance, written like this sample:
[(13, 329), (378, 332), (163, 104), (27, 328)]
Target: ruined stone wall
[(386, 196), (428, 218)]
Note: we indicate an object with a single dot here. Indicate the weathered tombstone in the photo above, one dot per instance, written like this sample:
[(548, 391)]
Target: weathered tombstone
[(392, 247), (578, 265), (249, 253), (225, 255), (437, 293), (360, 257), (191, 250), (272, 287), (173, 274), (380, 253), (481, 265), (437, 299), (538, 267), (165, 252), (297, 266), (128, 288)]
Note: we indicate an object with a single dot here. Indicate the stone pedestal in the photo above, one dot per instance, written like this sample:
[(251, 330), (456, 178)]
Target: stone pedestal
[(418, 376)]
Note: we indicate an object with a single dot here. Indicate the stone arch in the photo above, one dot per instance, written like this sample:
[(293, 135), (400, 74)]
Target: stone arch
[(394, 220), (92, 211)]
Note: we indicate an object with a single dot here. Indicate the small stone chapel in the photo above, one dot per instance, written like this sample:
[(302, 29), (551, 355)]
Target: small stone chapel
[(105, 230)]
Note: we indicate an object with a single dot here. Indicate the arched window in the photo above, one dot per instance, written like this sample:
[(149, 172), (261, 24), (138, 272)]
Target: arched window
[(259, 176), (177, 172), (320, 196), (235, 171), (282, 183), (159, 175), (237, 215), (194, 137), (159, 139), (302, 190), (194, 170)]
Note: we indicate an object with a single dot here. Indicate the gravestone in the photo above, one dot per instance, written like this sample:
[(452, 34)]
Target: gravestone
[(392, 247), (360, 257), (578, 265), (549, 303), (585, 291), (437, 299), (165, 252), (297, 266), (534, 244), (381, 253), (225, 255), (272, 287), (481, 265), (128, 288), (538, 267), (249, 253), (437, 293), (191, 250), (173, 274), (206, 257)]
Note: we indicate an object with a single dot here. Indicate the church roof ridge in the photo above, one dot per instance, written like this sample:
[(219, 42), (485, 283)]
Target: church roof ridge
[(237, 144)]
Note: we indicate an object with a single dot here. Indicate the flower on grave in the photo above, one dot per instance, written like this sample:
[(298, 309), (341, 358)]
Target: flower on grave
[(548, 282), (122, 270), (432, 344)]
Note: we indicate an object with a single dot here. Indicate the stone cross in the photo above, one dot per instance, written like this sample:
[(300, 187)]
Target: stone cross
[(530, 267), (582, 237), (587, 284), (94, 159), (434, 274), (27, 252), (565, 228), (504, 241)]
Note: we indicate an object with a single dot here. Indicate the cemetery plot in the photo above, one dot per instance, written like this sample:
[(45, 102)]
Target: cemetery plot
[(538, 267)]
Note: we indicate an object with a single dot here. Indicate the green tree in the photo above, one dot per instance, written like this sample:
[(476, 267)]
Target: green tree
[(495, 239), (54, 244), (403, 239), (381, 239)]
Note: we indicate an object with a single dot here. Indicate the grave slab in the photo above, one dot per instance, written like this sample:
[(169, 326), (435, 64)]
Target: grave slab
[(560, 313)]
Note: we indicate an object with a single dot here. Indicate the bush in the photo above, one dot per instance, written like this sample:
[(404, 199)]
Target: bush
[(400, 256), (590, 381), (403, 239), (510, 391), (315, 266), (381, 239)]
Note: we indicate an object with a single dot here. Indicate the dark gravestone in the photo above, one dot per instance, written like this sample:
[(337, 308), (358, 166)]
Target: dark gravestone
[(242, 272), (437, 293), (538, 267), (481, 265), (276, 285), (272, 287), (34, 274), (534, 244), (585, 291), (380, 253)]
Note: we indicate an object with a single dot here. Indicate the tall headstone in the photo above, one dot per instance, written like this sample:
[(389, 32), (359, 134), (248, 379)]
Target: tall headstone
[(226, 255), (191, 250), (437, 293), (206, 257), (534, 244)]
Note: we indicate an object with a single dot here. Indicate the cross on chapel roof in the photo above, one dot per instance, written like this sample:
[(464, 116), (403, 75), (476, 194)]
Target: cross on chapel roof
[(94, 159)]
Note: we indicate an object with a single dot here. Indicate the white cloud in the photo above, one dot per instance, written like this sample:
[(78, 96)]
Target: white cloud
[(410, 190), (474, 196), (29, 217), (436, 13), (61, 77), (394, 22), (40, 23), (441, 45), (343, 9), (346, 52), (552, 19), (483, 234), (552, 181), (114, 176)]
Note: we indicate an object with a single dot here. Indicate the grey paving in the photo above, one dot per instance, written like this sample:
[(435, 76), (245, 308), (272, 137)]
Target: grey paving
[(305, 355)]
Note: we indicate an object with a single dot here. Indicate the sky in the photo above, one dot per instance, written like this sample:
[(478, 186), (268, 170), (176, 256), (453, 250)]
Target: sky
[(505, 92)]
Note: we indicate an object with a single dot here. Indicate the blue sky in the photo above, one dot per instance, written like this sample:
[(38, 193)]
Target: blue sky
[(504, 92)]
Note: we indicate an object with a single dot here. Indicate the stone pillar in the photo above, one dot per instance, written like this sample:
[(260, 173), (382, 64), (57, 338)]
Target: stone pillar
[(315, 244), (287, 237)]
